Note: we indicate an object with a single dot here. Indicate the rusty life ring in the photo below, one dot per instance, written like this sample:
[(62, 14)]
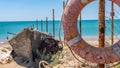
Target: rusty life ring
[(116, 2), (77, 44)]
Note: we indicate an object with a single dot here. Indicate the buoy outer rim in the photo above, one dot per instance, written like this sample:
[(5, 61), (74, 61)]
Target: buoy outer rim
[(80, 47)]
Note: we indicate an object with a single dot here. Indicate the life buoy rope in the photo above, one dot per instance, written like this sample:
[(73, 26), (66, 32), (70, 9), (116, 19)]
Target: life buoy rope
[(77, 44)]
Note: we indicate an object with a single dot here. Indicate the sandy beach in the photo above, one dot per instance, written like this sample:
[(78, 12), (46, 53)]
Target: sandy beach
[(67, 60), (89, 31)]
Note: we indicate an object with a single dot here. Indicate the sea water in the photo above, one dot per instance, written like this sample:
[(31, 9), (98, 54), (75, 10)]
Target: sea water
[(89, 27)]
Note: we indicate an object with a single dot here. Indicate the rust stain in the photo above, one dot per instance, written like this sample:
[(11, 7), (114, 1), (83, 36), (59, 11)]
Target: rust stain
[(82, 46)]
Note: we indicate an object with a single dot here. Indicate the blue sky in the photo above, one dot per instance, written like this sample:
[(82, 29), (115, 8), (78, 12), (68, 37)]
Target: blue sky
[(21, 10)]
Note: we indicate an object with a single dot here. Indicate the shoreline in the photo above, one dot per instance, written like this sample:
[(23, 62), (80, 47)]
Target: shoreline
[(95, 38), (92, 38), (2, 42)]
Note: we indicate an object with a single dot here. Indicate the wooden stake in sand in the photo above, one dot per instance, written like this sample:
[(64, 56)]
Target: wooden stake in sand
[(101, 26), (41, 26), (63, 5), (112, 24), (36, 24), (53, 23), (80, 25), (46, 24)]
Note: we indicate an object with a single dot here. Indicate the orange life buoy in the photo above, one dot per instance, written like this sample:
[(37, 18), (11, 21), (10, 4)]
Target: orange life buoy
[(77, 44)]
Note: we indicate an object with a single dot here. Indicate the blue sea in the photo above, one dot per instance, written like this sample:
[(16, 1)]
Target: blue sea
[(89, 27)]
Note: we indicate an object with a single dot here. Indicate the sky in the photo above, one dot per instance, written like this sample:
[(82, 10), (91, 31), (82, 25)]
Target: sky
[(27, 10)]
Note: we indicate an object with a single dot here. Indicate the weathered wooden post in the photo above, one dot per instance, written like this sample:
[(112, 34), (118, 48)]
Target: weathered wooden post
[(46, 24), (112, 24), (53, 24), (36, 24), (7, 37), (41, 26), (33, 26), (35, 33), (101, 26), (63, 5), (80, 25)]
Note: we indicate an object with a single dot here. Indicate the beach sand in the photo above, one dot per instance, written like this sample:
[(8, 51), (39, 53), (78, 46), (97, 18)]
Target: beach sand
[(67, 60)]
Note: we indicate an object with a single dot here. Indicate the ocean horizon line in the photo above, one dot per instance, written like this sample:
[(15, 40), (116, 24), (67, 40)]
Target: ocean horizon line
[(48, 20)]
